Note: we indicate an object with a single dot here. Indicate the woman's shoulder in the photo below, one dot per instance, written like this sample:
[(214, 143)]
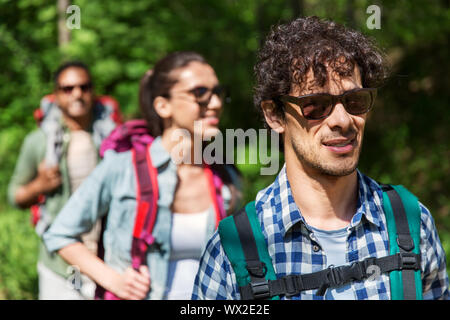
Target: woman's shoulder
[(116, 163), (112, 155)]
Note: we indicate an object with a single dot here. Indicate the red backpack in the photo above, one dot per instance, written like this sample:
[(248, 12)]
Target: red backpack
[(134, 135)]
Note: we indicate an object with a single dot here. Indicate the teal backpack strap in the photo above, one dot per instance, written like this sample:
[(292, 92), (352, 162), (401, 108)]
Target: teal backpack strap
[(245, 247), (403, 223)]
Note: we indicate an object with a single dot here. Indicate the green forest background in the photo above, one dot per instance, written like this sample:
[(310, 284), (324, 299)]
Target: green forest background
[(406, 139)]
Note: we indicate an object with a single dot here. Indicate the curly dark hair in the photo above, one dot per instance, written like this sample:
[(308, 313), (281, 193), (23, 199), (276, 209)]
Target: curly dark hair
[(290, 50)]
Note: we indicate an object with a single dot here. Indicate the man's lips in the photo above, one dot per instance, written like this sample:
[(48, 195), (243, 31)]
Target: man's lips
[(77, 104), (340, 145)]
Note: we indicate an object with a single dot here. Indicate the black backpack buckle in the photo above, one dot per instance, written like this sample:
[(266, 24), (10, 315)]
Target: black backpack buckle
[(333, 278), (409, 261), (355, 271), (256, 268), (260, 289), (258, 284)]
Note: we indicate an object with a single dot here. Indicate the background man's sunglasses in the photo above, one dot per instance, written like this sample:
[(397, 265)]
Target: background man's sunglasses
[(320, 105), (86, 87)]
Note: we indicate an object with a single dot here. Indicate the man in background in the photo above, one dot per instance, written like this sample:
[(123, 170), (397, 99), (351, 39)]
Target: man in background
[(54, 160)]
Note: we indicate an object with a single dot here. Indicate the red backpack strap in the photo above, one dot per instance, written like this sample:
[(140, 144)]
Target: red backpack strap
[(112, 103), (44, 107), (147, 200), (215, 189)]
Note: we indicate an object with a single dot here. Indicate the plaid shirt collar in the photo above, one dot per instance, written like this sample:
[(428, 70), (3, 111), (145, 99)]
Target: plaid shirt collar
[(278, 196)]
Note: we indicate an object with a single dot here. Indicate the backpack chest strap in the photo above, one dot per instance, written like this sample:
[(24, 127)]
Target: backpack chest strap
[(332, 277)]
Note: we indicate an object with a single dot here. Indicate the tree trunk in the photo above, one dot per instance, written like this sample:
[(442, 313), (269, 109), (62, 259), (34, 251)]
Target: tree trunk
[(63, 31), (350, 14), (297, 8)]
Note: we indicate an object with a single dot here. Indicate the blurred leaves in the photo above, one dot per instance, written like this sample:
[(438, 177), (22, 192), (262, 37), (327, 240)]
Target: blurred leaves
[(406, 138)]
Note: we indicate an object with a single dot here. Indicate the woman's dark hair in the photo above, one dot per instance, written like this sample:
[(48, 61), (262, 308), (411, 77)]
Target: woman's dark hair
[(158, 82), (290, 50)]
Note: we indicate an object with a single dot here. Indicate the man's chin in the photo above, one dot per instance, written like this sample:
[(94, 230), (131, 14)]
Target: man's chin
[(340, 172), (337, 171), (78, 111)]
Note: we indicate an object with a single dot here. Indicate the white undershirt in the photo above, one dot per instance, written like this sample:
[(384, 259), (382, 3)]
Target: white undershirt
[(187, 242), (81, 157), (81, 160)]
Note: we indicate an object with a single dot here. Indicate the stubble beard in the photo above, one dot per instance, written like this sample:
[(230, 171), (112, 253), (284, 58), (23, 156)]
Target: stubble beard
[(342, 167)]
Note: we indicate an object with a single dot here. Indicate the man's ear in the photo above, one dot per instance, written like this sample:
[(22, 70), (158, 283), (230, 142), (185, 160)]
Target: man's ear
[(162, 107), (273, 118)]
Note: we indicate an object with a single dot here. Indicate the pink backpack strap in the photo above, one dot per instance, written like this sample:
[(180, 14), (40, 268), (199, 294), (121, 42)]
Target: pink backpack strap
[(147, 205), (215, 189), (146, 210)]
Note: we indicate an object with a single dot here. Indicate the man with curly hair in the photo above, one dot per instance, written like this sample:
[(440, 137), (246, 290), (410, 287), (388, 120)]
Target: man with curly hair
[(316, 81)]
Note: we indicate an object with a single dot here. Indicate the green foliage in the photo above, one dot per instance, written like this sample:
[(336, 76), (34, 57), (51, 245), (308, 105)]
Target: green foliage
[(18, 256), (406, 138)]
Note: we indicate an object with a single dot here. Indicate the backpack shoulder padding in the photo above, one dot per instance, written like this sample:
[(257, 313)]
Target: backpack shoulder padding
[(246, 250), (403, 216)]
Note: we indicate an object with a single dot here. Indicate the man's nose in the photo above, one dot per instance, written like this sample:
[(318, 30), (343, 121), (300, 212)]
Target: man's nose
[(77, 92), (339, 117)]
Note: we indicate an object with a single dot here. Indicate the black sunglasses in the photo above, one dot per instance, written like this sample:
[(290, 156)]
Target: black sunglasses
[(86, 87), (203, 95), (320, 105)]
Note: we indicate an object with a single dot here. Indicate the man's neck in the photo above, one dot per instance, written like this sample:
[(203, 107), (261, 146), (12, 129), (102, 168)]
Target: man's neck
[(326, 202), (74, 124)]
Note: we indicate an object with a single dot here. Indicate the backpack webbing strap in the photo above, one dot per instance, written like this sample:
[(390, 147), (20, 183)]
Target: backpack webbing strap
[(334, 277), (251, 263), (147, 197), (403, 223), (255, 267)]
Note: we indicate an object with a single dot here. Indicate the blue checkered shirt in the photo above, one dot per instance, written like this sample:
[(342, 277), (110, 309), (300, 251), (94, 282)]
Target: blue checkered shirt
[(294, 250)]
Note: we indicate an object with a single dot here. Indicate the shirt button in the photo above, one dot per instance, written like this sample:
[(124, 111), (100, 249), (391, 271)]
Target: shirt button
[(316, 248)]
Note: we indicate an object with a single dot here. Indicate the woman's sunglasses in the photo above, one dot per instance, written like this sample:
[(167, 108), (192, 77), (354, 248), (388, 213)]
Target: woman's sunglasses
[(320, 105), (203, 95)]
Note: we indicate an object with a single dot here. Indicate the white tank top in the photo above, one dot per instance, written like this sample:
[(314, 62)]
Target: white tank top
[(187, 242)]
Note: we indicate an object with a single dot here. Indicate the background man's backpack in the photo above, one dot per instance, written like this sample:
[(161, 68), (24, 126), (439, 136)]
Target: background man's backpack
[(245, 247), (133, 135)]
